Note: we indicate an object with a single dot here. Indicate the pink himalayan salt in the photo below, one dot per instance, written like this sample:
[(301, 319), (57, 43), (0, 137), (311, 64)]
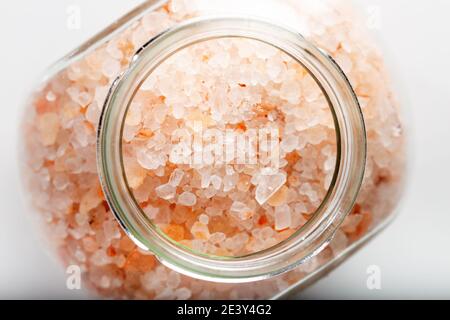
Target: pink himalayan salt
[(282, 217), (187, 199), (268, 185), (60, 135)]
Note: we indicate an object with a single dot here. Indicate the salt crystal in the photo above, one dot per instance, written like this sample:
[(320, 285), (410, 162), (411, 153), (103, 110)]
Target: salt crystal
[(289, 143), (165, 191), (268, 185), (282, 217), (111, 68), (148, 159), (217, 237), (203, 218), (183, 293), (241, 210), (216, 182), (187, 199), (48, 126), (176, 177)]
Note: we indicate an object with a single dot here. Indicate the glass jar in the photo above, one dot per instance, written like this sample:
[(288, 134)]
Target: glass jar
[(191, 148)]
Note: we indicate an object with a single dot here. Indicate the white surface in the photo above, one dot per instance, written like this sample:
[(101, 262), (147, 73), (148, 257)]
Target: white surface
[(413, 253)]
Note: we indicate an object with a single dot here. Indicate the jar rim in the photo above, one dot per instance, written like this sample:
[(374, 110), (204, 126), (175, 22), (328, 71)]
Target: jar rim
[(306, 242)]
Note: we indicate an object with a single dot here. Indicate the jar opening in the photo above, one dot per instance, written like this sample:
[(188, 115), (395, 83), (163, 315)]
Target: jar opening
[(296, 248)]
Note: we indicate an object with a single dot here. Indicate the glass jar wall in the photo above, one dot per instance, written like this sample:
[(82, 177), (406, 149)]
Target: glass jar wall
[(231, 210)]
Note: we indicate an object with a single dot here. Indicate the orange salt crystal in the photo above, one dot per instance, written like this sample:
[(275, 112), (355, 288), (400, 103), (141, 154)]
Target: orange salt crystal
[(137, 261), (279, 198), (176, 232), (145, 134), (356, 208), (126, 244), (110, 251), (42, 106), (292, 157), (100, 191), (262, 220), (241, 126)]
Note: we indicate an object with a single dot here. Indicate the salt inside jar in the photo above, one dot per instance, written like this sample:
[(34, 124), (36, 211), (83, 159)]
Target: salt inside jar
[(228, 148)]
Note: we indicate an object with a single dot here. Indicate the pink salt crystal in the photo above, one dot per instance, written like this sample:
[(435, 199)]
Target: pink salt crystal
[(84, 99), (151, 212), (268, 185), (187, 199), (307, 190), (183, 293), (100, 95), (134, 115), (114, 51), (156, 21), (111, 230), (81, 218), (217, 237), (111, 68), (203, 218), (213, 211), (291, 91), (61, 182), (93, 113), (148, 159), (200, 231), (282, 217), (216, 182), (229, 182), (339, 242), (135, 174), (351, 222), (90, 200), (100, 258), (48, 126), (173, 280), (105, 282), (205, 180), (289, 143), (241, 210), (176, 177), (165, 191)]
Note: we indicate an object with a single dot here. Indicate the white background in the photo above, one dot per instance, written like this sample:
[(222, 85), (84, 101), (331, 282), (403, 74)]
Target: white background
[(413, 253)]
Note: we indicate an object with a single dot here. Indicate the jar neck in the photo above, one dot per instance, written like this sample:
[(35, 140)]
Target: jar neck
[(308, 240)]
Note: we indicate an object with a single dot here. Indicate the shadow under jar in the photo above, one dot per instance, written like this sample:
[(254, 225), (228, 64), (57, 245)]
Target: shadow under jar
[(191, 148)]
